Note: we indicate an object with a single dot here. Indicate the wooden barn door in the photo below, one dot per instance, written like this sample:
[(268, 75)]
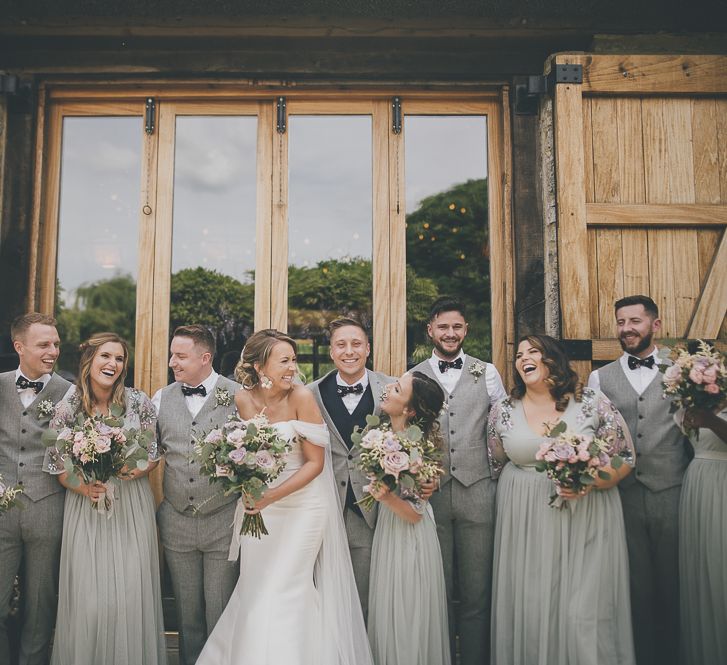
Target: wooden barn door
[(641, 194)]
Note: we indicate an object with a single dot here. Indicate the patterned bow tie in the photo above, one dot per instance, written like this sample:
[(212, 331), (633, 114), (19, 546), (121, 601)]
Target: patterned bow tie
[(635, 363), (349, 390), (199, 390), (444, 365), (23, 384)]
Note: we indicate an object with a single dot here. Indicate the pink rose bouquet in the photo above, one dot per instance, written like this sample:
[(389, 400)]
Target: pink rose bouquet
[(243, 457), (401, 460), (695, 379), (8, 496), (574, 461)]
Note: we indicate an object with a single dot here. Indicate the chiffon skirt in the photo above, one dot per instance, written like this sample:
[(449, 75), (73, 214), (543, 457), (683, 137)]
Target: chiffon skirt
[(109, 597), (407, 597), (560, 577), (703, 562)]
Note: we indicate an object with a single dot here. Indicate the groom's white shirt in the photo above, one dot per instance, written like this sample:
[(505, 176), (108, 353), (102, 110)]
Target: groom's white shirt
[(194, 402), (451, 376), (351, 400)]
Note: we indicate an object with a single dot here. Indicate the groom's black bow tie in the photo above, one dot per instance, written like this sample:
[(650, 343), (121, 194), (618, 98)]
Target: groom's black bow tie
[(23, 384), (444, 365), (199, 390), (348, 390), (635, 362)]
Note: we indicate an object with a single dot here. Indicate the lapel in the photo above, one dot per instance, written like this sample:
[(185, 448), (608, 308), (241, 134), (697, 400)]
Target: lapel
[(210, 403), (377, 386), (8, 379), (316, 387)]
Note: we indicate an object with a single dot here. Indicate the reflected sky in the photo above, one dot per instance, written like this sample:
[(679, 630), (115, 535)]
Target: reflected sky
[(99, 199)]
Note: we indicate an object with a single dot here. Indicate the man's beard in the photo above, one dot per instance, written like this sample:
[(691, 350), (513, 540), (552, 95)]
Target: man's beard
[(644, 344), (447, 355)]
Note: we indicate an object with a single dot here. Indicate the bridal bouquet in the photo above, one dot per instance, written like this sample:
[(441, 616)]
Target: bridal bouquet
[(574, 461), (695, 379), (98, 449), (8, 496), (243, 456), (396, 459)]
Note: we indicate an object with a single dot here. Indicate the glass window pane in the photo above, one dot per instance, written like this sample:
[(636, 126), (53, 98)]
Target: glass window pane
[(447, 246), (98, 232), (213, 252), (330, 230)]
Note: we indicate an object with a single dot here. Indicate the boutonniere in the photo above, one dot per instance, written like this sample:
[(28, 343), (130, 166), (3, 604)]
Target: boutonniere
[(223, 397), (477, 369), (46, 409)]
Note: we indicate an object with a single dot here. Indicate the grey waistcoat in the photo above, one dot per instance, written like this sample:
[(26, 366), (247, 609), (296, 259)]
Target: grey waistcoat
[(464, 425), (660, 445), (184, 486), (21, 451)]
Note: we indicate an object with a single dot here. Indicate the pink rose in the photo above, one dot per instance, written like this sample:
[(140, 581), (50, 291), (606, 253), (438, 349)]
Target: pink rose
[(673, 373), (238, 455), (372, 438), (223, 471), (265, 460), (710, 374), (573, 459), (78, 437), (542, 451), (236, 437), (712, 389), (396, 462), (391, 444), (696, 375), (77, 448), (416, 465), (215, 436), (65, 434), (103, 444), (563, 451)]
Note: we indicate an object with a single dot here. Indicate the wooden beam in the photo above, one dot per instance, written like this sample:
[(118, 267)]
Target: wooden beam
[(608, 349), (712, 304), (667, 214), (644, 74), (263, 224)]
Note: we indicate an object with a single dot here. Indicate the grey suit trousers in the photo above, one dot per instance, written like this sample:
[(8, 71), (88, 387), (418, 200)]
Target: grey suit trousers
[(465, 518), (195, 549), (32, 533), (652, 537), (360, 539)]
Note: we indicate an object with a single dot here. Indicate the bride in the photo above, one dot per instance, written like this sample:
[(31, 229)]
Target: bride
[(295, 601)]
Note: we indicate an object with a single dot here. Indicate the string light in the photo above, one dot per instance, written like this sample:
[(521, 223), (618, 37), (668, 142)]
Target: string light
[(463, 210), (452, 206), (426, 225)]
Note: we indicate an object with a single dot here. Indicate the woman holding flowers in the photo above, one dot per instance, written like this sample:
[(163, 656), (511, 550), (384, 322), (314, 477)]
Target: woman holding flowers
[(109, 607), (296, 601), (407, 595), (560, 574)]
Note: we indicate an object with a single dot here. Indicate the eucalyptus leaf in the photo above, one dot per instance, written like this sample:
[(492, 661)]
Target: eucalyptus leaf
[(617, 462), (413, 433), (251, 431), (586, 479), (142, 464), (541, 466), (356, 438), (68, 465), (49, 437), (372, 420), (72, 479), (559, 429), (407, 482), (604, 475), (116, 410)]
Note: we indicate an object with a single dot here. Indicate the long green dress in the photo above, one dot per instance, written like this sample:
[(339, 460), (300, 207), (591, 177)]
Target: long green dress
[(109, 597), (560, 576), (703, 552)]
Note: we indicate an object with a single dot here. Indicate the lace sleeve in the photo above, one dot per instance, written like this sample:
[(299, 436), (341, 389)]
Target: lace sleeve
[(415, 501), (496, 454), (612, 427), (63, 416)]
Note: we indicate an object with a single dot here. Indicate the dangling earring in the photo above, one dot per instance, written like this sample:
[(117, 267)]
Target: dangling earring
[(265, 382)]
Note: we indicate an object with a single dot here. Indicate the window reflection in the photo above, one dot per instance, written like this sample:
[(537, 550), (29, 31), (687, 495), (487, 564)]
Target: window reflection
[(330, 230), (213, 253), (98, 233), (447, 246)]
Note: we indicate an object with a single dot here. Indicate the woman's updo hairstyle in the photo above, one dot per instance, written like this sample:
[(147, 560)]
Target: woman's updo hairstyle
[(256, 352), (562, 381), (427, 399)]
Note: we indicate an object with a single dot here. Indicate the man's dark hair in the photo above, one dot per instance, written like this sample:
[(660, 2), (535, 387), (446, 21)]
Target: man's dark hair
[(650, 306), (344, 321), (446, 304), (200, 335)]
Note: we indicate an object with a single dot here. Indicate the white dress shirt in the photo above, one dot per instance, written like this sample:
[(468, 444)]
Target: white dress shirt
[(194, 402), (449, 378), (351, 400), (639, 378), (28, 395)]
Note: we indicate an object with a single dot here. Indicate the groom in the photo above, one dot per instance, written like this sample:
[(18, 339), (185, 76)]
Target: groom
[(31, 534), (194, 517), (464, 508), (346, 396)]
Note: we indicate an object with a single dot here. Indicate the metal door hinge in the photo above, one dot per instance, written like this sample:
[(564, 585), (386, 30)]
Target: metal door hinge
[(150, 115), (529, 89), (396, 115), (282, 119)]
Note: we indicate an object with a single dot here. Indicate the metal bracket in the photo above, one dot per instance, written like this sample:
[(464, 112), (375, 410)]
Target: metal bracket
[(8, 84), (396, 115), (149, 115), (529, 89), (282, 121)]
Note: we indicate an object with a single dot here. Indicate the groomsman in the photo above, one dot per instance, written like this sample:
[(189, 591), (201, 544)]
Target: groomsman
[(33, 534), (464, 508), (194, 517), (346, 396), (650, 496)]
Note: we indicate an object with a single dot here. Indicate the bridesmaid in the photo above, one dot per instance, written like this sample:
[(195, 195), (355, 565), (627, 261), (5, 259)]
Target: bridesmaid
[(560, 576), (703, 540), (109, 606), (407, 596)]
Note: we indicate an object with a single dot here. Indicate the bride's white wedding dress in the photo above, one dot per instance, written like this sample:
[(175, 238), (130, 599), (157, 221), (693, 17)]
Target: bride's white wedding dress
[(296, 601)]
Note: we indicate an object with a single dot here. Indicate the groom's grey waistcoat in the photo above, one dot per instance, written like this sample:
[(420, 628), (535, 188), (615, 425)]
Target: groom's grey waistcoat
[(184, 486), (464, 425), (21, 450), (660, 445)]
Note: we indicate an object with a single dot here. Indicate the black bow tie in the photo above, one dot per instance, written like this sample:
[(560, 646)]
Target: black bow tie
[(199, 390), (635, 363), (23, 384), (349, 390), (444, 365)]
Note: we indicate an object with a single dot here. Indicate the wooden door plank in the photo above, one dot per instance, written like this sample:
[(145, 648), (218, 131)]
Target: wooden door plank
[(397, 250), (712, 308), (656, 214), (263, 215), (589, 189), (279, 247)]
